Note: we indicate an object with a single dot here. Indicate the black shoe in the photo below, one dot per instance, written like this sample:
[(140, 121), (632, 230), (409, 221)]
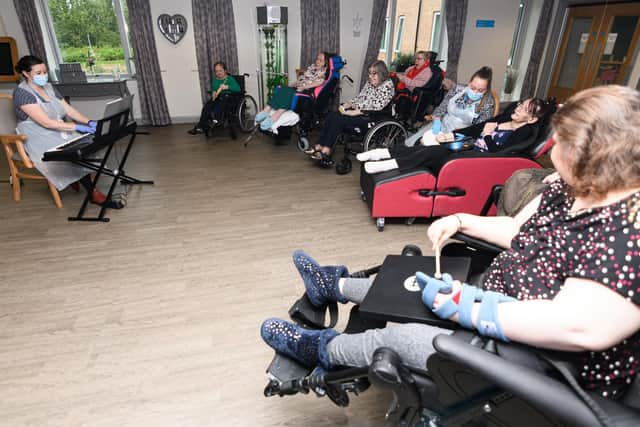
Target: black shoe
[(196, 131)]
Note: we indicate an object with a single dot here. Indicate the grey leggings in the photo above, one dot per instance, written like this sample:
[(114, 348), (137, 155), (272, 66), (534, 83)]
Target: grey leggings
[(412, 341)]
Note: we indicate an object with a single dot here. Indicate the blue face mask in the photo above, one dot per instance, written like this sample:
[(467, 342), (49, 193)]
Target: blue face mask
[(41, 79), (473, 96)]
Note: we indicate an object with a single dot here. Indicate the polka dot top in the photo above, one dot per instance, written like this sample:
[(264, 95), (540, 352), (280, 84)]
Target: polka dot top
[(600, 244)]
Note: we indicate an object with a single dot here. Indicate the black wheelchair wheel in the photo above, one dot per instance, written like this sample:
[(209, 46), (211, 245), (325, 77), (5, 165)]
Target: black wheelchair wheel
[(246, 113), (344, 166), (303, 143), (384, 135)]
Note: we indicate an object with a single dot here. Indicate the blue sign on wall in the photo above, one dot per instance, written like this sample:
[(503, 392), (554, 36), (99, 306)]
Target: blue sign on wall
[(485, 23)]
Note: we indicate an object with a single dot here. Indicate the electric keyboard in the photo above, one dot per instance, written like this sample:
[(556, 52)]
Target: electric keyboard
[(76, 149)]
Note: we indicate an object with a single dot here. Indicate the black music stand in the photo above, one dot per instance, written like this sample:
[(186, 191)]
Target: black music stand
[(108, 131)]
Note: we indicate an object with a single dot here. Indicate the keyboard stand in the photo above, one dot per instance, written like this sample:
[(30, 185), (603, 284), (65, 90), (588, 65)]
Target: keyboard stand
[(99, 166)]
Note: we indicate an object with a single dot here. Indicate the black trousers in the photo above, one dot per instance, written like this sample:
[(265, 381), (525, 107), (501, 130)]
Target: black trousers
[(213, 109), (432, 157), (337, 123)]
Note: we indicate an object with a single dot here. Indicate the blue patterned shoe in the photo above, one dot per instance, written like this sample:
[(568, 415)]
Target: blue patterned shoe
[(307, 346), (261, 116), (321, 283)]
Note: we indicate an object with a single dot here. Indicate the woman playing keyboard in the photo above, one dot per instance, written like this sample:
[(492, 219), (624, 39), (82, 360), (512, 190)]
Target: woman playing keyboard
[(49, 121)]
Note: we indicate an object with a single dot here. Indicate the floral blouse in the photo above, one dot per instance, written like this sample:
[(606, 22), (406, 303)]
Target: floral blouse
[(311, 74), (600, 244), (374, 98)]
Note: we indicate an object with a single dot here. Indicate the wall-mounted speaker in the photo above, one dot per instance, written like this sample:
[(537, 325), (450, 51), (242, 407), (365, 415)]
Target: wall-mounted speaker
[(272, 15)]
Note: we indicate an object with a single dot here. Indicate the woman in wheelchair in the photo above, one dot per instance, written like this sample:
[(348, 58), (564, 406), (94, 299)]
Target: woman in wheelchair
[(281, 100), (374, 96), (221, 86), (567, 280), (516, 125), (462, 106), (417, 75)]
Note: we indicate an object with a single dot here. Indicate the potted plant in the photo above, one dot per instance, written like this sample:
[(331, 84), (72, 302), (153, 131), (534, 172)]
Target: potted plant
[(401, 62)]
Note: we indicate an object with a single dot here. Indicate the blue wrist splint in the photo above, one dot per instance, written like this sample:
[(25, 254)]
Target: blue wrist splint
[(487, 322), (468, 296), (431, 287)]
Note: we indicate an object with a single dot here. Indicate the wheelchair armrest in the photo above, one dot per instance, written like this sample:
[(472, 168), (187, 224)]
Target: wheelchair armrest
[(546, 393), (477, 243)]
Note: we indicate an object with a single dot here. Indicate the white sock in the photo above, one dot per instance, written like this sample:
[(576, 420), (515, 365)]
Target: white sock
[(382, 166), (375, 154)]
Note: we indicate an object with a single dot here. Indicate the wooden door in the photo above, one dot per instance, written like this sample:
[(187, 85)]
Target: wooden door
[(597, 47)]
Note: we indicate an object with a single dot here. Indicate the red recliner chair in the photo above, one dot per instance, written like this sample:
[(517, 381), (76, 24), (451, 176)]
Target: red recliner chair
[(464, 184)]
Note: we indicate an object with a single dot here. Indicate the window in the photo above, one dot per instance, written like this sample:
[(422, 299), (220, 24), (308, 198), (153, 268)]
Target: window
[(396, 49), (385, 35), (435, 31), (91, 32)]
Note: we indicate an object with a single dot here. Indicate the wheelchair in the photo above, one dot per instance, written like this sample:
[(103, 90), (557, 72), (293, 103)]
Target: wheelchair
[(381, 131), (411, 107), (463, 184), (240, 111), (312, 106), (396, 121), (469, 381)]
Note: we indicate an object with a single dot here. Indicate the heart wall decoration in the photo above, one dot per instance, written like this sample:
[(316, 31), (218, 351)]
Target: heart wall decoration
[(173, 28)]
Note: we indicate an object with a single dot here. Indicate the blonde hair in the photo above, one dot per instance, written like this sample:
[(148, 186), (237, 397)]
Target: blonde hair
[(599, 129)]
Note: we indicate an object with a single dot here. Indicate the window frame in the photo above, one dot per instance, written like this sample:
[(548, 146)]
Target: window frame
[(398, 40), (435, 30), (123, 29), (514, 52), (385, 35)]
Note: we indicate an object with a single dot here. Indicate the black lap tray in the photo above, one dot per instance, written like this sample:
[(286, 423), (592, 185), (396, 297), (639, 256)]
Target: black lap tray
[(388, 299)]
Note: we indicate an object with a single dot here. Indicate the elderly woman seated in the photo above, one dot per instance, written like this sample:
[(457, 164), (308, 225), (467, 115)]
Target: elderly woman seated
[(374, 96), (514, 126), (283, 96), (222, 85), (567, 280)]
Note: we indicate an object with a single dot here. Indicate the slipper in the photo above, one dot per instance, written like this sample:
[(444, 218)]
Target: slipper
[(266, 124), (311, 151)]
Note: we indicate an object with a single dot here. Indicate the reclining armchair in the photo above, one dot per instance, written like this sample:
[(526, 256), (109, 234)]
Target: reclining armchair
[(463, 184), (470, 380)]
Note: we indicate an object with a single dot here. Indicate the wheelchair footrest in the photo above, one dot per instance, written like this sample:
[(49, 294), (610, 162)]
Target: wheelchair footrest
[(310, 316)]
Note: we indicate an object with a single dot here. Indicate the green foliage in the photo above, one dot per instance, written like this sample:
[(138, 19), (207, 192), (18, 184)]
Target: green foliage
[(80, 54), (402, 61), (77, 21)]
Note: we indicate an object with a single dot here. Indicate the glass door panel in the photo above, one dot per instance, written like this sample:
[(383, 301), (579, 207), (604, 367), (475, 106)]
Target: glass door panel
[(617, 52), (574, 53)]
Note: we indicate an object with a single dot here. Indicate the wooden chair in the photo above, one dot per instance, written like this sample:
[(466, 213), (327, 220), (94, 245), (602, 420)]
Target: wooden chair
[(16, 155)]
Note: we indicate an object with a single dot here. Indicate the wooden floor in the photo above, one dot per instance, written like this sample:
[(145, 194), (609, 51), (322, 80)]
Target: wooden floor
[(153, 319)]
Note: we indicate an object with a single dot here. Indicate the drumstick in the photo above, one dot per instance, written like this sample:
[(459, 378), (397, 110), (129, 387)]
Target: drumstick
[(438, 274)]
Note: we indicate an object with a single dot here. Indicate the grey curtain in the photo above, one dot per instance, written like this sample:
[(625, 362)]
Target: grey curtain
[(320, 21), (531, 77), (214, 30), (28, 17), (153, 101), (378, 16), (456, 16)]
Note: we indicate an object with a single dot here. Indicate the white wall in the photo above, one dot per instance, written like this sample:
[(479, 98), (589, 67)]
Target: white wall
[(178, 65), (488, 46), (354, 16)]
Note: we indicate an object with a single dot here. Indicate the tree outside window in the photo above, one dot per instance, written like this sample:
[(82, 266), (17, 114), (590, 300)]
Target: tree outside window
[(91, 32)]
